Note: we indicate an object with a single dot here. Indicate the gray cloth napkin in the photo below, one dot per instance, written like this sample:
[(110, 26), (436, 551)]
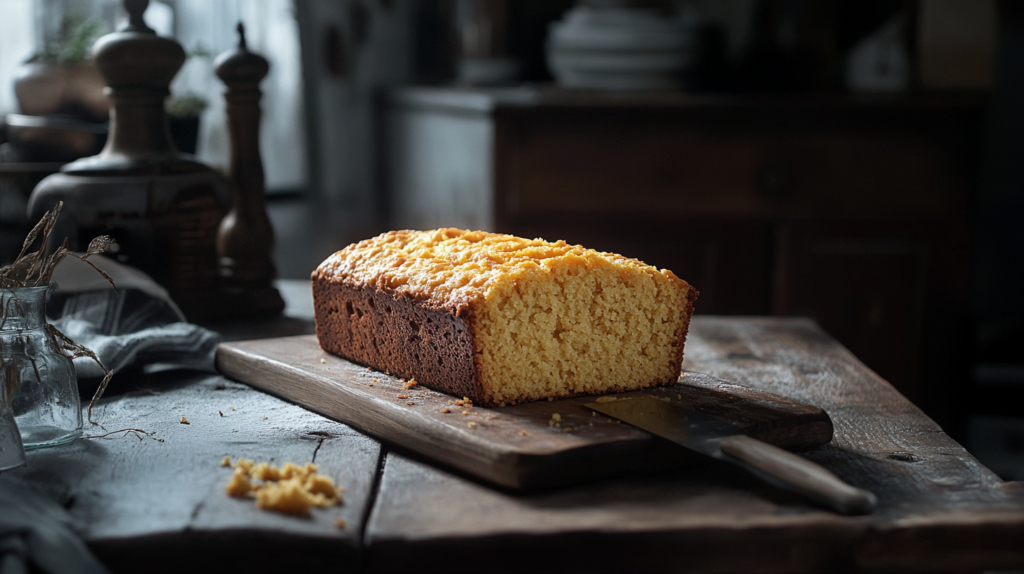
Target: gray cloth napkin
[(139, 326), (36, 535)]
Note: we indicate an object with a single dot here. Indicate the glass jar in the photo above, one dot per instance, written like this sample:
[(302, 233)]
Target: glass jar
[(38, 377), (12, 453)]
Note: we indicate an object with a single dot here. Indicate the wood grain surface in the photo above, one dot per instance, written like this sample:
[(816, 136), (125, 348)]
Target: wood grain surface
[(157, 503), (521, 446), (940, 510), (152, 506)]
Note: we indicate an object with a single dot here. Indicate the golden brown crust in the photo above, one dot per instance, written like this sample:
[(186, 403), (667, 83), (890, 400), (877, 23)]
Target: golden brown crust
[(453, 268), (416, 319)]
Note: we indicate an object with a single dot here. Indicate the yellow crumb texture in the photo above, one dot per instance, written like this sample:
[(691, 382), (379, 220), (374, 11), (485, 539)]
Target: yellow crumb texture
[(548, 319), (290, 489)]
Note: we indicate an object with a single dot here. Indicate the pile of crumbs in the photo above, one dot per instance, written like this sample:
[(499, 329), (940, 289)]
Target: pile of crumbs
[(291, 489)]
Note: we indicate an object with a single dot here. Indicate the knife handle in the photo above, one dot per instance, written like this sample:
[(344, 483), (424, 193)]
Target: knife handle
[(800, 475)]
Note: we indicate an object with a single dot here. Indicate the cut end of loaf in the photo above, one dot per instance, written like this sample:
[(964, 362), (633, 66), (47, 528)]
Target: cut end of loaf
[(576, 327)]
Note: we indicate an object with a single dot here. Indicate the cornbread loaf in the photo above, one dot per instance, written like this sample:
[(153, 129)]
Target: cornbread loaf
[(501, 319)]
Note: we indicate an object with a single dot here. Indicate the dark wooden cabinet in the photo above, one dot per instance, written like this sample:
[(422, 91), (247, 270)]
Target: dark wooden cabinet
[(852, 210)]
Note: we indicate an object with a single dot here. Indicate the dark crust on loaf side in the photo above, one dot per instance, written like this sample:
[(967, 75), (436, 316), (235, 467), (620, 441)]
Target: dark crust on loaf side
[(396, 335), (691, 298)]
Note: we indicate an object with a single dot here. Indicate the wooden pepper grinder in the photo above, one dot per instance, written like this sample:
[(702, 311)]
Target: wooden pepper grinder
[(245, 238), (162, 207)]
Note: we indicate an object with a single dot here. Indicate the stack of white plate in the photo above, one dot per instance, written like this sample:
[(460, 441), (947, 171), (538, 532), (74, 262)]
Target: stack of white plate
[(619, 49)]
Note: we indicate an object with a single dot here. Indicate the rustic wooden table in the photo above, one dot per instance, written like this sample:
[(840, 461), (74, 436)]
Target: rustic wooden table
[(157, 503)]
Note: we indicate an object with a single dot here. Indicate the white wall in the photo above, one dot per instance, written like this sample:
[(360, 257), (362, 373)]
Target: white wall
[(17, 44), (272, 30)]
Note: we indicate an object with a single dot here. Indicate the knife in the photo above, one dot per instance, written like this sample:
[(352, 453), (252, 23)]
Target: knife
[(721, 440)]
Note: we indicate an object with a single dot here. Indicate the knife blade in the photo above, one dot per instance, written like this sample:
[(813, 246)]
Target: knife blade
[(720, 439)]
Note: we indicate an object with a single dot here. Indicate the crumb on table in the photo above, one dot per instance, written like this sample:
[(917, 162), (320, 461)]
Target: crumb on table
[(239, 485), (290, 489), (184, 421)]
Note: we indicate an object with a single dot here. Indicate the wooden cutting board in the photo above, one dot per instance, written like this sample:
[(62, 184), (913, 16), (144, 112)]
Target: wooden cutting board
[(518, 447)]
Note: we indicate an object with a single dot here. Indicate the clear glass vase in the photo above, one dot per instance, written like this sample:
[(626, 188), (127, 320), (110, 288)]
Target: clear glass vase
[(38, 377), (12, 453)]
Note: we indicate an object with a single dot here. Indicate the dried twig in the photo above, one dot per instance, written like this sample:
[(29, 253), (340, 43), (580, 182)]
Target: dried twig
[(134, 432), (35, 270), (68, 346)]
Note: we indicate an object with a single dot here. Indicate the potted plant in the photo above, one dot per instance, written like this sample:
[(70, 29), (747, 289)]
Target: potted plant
[(185, 107), (183, 113), (61, 79)]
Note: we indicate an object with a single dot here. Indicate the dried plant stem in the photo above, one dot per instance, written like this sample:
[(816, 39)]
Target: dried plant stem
[(135, 432), (68, 346), (35, 270)]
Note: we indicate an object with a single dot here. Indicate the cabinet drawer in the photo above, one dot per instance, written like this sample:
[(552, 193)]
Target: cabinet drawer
[(707, 168)]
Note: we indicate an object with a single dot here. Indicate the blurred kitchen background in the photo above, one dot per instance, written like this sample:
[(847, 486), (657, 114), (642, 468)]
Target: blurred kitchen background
[(857, 162)]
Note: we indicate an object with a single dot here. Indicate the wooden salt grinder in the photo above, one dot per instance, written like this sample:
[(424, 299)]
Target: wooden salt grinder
[(245, 238)]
